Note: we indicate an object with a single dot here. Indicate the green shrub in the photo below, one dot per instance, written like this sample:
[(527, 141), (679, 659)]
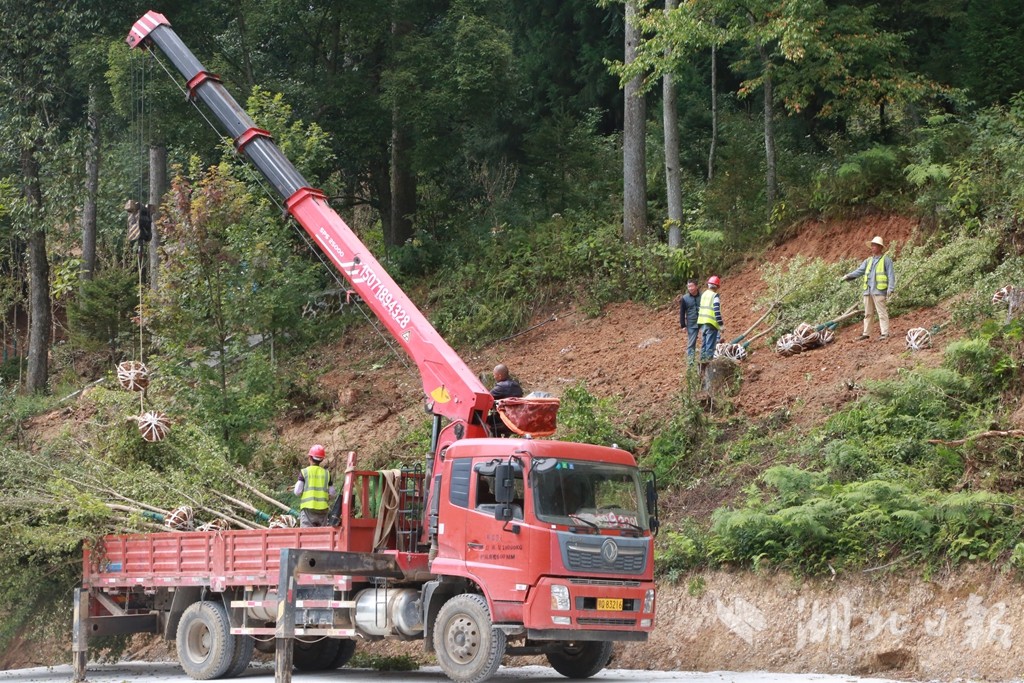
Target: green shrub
[(871, 177), (676, 446), (585, 418), (988, 368), (677, 552)]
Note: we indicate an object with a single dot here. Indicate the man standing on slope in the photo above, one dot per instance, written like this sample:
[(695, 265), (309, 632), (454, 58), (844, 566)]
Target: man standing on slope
[(878, 282), (689, 307), (315, 488), (709, 318)]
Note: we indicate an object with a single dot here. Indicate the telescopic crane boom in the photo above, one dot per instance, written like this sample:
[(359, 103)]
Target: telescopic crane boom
[(454, 390)]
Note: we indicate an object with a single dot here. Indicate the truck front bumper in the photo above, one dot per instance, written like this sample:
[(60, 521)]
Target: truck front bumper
[(589, 609)]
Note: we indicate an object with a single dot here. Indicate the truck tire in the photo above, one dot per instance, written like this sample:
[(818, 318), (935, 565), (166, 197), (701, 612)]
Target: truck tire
[(582, 659), (346, 648), (204, 643), (315, 655), (468, 648), (244, 647)]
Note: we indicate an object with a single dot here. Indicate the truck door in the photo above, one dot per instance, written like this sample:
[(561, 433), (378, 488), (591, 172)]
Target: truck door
[(496, 550)]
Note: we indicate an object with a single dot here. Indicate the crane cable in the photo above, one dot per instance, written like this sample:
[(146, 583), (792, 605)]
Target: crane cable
[(259, 180)]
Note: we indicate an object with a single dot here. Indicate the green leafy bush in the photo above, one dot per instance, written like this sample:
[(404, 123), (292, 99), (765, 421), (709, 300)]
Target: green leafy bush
[(585, 418), (677, 552), (675, 447), (872, 177)]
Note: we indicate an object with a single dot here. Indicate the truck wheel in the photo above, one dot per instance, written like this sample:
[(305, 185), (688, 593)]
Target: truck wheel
[(244, 647), (204, 643), (317, 655), (468, 648), (581, 660), (346, 648)]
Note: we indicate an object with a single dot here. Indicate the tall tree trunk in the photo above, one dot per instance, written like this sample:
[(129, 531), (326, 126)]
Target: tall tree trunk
[(402, 179), (771, 177), (634, 160), (713, 148), (39, 279), (92, 183), (243, 40), (673, 180), (157, 188), (403, 186)]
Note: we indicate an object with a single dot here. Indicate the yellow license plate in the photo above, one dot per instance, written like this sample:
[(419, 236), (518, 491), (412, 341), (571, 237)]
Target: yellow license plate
[(609, 604)]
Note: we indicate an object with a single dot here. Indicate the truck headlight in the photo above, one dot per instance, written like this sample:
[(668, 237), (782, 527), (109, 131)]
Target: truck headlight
[(649, 600), (559, 598)]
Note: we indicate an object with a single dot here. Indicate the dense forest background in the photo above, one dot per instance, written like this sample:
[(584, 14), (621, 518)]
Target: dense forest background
[(501, 159)]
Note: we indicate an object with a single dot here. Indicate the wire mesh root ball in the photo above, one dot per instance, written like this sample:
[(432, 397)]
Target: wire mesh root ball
[(283, 522), (133, 375), (918, 338), (788, 345), (826, 336), (216, 525), (734, 351), (180, 518), (807, 335), (153, 426), (1003, 295)]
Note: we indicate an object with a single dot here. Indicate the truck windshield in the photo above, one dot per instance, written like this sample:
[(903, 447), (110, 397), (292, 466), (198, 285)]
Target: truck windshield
[(580, 493)]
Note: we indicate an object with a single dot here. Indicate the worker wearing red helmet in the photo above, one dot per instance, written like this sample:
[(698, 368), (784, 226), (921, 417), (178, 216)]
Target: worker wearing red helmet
[(709, 318), (314, 489)]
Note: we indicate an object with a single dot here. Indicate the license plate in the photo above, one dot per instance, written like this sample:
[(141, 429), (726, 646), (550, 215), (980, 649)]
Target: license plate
[(609, 604)]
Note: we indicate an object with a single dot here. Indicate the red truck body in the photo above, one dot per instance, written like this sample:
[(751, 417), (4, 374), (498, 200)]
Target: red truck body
[(497, 546)]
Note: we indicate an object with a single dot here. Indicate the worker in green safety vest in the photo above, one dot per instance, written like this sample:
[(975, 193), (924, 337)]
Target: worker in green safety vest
[(314, 489), (709, 318), (878, 282)]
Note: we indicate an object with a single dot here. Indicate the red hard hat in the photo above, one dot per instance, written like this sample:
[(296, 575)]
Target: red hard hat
[(317, 452), (714, 281)]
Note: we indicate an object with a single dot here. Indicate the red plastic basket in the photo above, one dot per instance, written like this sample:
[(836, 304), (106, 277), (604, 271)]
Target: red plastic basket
[(530, 416)]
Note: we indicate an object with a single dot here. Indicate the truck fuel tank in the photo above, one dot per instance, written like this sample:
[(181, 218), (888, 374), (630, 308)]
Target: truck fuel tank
[(385, 611)]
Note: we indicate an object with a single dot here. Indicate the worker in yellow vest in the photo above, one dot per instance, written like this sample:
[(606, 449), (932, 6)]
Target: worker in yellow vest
[(314, 489), (878, 282), (709, 318)]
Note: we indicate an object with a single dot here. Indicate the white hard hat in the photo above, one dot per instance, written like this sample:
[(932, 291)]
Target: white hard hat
[(877, 240)]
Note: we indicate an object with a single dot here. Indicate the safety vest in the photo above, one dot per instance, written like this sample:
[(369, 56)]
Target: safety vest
[(881, 279), (315, 490), (706, 312)]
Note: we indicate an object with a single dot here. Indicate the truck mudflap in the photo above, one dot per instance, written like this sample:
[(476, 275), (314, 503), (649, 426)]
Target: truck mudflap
[(589, 609)]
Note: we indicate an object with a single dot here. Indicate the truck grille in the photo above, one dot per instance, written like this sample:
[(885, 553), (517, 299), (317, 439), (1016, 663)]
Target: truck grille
[(586, 621), (603, 554)]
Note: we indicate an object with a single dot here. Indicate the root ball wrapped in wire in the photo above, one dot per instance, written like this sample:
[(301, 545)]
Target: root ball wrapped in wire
[(283, 522), (788, 345), (735, 352), (181, 518), (215, 525), (826, 336), (133, 375), (1002, 296), (918, 338), (807, 335), (153, 426)]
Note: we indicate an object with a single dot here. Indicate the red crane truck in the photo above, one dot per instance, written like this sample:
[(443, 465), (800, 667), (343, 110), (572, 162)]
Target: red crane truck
[(496, 546)]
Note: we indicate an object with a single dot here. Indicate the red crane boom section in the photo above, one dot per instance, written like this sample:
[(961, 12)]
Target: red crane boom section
[(454, 390)]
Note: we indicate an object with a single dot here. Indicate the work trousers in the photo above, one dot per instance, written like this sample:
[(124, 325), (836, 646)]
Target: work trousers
[(708, 342), (308, 518), (691, 342), (876, 303)]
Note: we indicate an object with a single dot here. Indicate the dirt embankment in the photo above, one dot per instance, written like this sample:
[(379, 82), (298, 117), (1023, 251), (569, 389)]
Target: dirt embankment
[(894, 623)]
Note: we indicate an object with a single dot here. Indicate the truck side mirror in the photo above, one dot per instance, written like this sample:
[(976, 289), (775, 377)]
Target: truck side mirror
[(504, 483), (652, 504)]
